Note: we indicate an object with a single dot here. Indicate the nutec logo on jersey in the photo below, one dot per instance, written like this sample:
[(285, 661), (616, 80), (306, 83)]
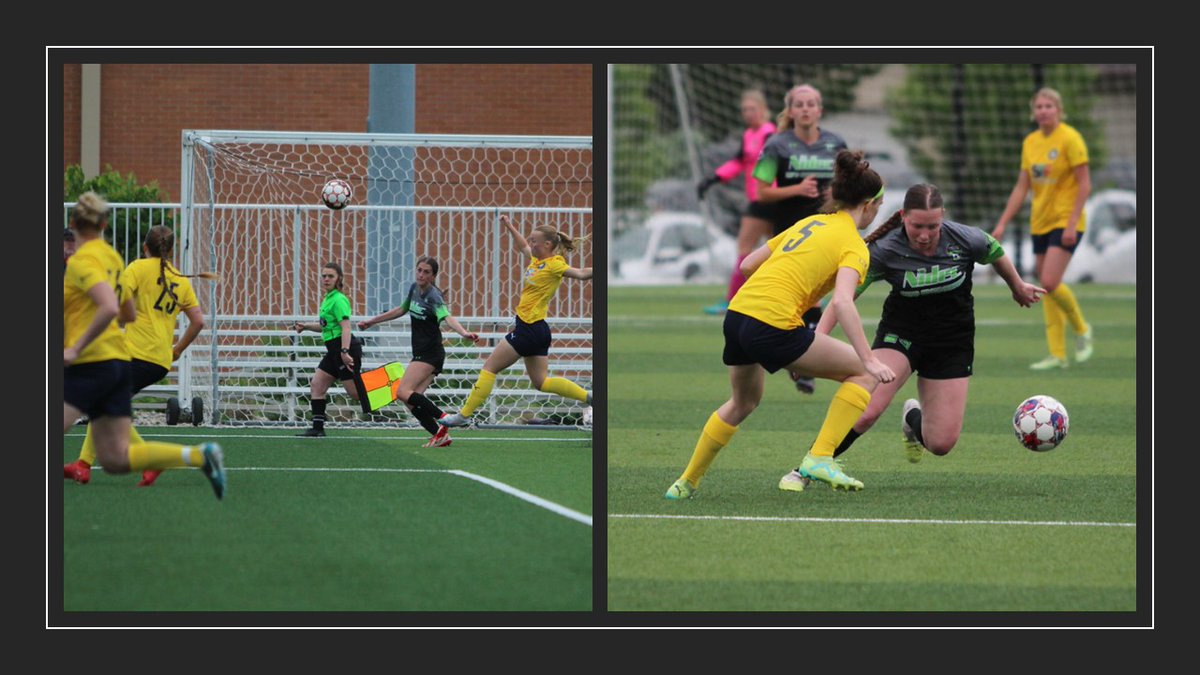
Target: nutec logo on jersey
[(798, 164), (923, 278)]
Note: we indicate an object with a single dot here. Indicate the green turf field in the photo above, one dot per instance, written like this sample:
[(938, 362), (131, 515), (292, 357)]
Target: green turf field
[(359, 520), (989, 527)]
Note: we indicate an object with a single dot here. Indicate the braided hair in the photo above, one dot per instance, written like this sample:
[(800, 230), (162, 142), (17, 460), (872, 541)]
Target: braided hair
[(923, 196), (160, 243)]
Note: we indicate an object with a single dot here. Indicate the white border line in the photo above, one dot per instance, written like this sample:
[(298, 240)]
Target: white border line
[(456, 439), (898, 521), (503, 487)]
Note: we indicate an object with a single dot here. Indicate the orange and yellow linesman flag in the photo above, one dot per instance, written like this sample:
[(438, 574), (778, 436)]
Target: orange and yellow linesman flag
[(378, 387)]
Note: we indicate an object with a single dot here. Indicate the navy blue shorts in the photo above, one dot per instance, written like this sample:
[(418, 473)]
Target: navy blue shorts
[(748, 340), (142, 374), (332, 361), (941, 362), (99, 389), (1041, 242), (530, 339)]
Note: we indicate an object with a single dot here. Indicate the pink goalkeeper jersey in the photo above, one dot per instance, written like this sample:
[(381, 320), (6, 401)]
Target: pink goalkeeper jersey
[(753, 141)]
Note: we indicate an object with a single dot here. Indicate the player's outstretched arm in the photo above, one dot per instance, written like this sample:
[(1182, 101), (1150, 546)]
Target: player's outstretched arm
[(393, 313), (581, 273), (518, 239)]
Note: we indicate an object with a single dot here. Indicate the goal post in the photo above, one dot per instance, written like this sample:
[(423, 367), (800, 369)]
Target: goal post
[(251, 212)]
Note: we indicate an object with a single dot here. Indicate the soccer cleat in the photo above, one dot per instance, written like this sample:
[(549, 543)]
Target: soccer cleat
[(680, 489), (148, 477), (589, 399), (718, 308), (804, 385), (1049, 363), (828, 470), (912, 447), (312, 432), (1083, 345), (793, 481), (78, 471), (441, 439), (454, 420), (214, 467)]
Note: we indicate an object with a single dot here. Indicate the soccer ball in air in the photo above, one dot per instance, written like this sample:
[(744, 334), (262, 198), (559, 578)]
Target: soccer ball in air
[(1040, 423), (336, 194), (586, 420)]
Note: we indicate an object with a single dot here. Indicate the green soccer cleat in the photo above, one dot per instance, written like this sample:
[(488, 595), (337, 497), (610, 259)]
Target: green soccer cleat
[(718, 308), (913, 449), (794, 481), (1049, 363), (1084, 346), (680, 489), (214, 467), (828, 470)]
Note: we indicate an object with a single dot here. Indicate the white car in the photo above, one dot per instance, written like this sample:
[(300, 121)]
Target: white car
[(1106, 254), (673, 247)]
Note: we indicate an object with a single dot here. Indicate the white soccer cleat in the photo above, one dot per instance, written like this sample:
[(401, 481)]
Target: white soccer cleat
[(454, 420)]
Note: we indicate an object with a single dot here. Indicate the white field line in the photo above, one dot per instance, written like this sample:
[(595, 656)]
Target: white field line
[(532, 499), (503, 487), (892, 521)]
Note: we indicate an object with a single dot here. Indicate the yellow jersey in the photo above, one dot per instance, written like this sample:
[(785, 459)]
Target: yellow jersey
[(93, 263), (542, 279), (151, 337), (801, 269), (1051, 161)]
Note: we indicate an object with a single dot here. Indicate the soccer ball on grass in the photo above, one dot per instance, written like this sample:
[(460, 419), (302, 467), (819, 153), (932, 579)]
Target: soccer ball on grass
[(1041, 423)]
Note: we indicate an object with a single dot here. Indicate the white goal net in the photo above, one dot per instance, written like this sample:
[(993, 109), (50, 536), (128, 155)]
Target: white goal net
[(251, 212)]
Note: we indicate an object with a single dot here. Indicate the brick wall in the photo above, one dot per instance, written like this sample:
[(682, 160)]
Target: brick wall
[(144, 106)]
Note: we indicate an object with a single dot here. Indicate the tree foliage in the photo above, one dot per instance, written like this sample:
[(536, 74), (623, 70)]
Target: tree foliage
[(977, 177), (127, 227)]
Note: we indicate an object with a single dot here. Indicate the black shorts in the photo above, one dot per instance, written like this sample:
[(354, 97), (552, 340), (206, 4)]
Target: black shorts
[(332, 361), (1041, 242), (941, 362), (748, 340), (99, 388), (530, 339), (142, 374), (787, 215), (761, 210), (434, 357)]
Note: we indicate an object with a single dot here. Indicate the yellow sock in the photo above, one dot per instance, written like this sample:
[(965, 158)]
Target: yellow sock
[(1066, 302), (1056, 328), (715, 436), (479, 393), (563, 387), (155, 455), (848, 404), (88, 452)]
